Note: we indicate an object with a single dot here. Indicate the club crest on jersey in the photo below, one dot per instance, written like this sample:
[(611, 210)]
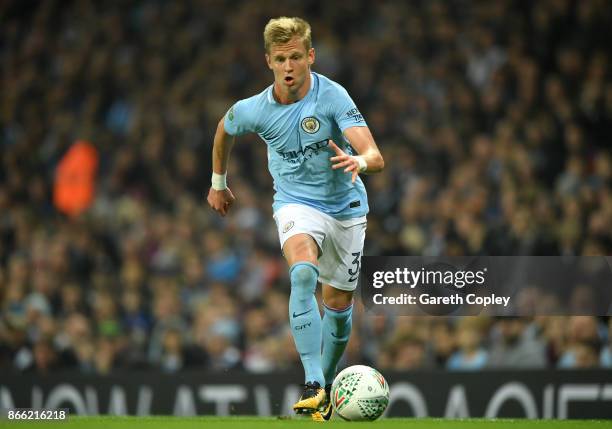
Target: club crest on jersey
[(288, 226), (310, 124)]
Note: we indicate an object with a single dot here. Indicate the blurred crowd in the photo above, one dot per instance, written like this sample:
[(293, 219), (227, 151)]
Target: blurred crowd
[(494, 117)]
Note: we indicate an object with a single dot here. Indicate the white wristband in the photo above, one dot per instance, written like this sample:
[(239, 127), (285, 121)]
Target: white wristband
[(219, 181), (363, 165)]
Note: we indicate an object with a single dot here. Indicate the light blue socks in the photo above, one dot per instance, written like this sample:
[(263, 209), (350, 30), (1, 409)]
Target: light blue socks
[(337, 326), (305, 319)]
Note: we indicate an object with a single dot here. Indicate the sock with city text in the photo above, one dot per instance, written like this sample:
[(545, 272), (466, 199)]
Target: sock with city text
[(305, 319)]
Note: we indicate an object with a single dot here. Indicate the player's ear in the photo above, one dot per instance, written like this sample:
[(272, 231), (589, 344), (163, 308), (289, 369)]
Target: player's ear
[(269, 61), (311, 56)]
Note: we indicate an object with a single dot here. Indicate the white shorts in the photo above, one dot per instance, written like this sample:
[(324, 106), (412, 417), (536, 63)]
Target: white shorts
[(340, 242)]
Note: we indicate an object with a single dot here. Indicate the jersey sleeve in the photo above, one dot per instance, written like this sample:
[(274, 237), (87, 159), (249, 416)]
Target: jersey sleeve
[(345, 111), (240, 118)]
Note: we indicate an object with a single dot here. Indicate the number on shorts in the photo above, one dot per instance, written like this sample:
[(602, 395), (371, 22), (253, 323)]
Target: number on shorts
[(354, 274)]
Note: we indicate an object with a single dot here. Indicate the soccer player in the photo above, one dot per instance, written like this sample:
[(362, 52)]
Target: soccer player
[(312, 129)]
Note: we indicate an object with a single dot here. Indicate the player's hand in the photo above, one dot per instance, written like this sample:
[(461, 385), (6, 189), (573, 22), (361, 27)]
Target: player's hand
[(221, 201), (343, 160)]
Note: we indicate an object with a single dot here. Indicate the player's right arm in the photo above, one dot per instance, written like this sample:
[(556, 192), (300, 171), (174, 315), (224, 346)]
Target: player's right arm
[(220, 197), (239, 119)]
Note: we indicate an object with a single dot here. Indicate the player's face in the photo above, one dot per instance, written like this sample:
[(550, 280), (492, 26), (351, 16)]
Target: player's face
[(291, 63)]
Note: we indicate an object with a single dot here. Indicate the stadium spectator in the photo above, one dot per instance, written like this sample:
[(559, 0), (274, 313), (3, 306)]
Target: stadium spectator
[(514, 346), (471, 354), (442, 342), (176, 355), (584, 343), (408, 353)]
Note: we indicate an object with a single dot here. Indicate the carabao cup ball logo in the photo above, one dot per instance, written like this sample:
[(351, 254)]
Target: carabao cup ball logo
[(310, 124)]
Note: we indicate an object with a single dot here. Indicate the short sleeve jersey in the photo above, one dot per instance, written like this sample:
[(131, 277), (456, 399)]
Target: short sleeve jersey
[(297, 137)]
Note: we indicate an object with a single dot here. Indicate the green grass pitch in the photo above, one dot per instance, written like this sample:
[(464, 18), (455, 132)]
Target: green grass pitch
[(108, 422)]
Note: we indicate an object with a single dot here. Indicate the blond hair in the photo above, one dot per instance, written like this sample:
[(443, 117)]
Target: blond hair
[(282, 30)]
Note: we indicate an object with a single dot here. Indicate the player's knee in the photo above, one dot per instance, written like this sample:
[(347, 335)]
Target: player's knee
[(304, 278), (337, 299)]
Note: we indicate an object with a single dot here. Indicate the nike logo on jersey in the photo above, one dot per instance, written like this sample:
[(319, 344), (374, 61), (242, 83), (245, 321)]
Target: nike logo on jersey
[(301, 314)]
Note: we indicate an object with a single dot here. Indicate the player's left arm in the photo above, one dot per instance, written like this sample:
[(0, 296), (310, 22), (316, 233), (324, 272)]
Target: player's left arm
[(368, 159)]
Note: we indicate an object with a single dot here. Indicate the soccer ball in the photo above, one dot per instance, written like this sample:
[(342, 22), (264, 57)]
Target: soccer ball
[(360, 393)]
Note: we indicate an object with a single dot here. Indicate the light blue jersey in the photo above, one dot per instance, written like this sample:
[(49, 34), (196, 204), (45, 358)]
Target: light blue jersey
[(297, 136)]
